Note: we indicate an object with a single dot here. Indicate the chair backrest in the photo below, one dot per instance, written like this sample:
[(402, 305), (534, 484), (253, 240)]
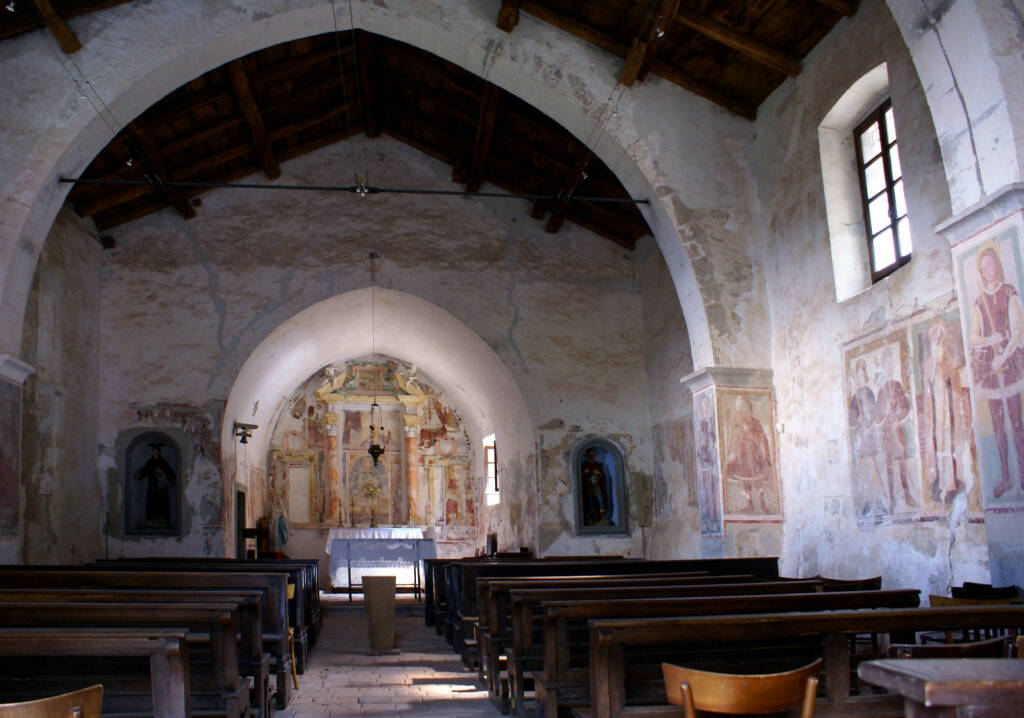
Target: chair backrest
[(741, 693), (84, 703), (991, 648)]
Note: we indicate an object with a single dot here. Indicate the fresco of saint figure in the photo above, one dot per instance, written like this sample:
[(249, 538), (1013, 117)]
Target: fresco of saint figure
[(707, 469), (892, 407), (748, 460), (997, 360), (862, 413)]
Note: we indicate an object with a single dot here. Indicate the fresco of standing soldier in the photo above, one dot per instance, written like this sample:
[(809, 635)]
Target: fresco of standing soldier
[(750, 486), (991, 275), (881, 429)]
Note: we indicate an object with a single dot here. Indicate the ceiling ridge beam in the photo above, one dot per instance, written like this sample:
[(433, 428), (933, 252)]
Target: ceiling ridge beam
[(747, 45), (67, 39), (645, 47), (489, 101), (367, 70), (251, 112)]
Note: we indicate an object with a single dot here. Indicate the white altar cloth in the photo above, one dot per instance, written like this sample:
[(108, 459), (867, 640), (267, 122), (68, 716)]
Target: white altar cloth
[(386, 533)]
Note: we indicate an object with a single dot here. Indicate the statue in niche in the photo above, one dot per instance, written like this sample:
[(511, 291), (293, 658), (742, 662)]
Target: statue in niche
[(152, 489), (598, 480)]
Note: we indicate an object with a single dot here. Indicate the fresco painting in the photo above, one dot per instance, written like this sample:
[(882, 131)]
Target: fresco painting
[(706, 460), (747, 451), (885, 475), (990, 275), (949, 463)]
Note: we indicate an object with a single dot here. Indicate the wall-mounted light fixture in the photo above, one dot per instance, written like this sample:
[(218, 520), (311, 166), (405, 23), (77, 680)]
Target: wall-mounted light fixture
[(244, 431)]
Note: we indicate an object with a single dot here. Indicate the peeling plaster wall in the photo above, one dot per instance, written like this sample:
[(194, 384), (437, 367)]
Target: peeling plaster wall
[(827, 529), (62, 502), (185, 303), (672, 511)]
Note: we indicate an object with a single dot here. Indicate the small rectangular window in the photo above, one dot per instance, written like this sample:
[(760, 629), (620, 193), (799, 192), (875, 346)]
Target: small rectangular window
[(881, 184), (491, 464)]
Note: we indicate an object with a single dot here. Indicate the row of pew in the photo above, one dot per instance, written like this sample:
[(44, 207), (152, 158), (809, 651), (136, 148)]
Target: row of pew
[(167, 637), (587, 637)]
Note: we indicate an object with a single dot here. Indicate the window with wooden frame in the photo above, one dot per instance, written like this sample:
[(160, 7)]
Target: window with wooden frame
[(491, 467), (881, 181)]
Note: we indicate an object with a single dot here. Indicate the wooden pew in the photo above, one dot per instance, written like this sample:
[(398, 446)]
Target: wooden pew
[(642, 642), (273, 586), (164, 649), (296, 605), (307, 574), (560, 656), (462, 581), (493, 630), (254, 663), (212, 630)]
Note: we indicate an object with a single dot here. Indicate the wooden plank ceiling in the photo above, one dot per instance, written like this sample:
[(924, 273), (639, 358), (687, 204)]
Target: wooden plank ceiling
[(281, 102)]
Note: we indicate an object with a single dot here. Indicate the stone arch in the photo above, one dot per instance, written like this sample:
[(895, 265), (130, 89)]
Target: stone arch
[(464, 35), (406, 327), (967, 56)]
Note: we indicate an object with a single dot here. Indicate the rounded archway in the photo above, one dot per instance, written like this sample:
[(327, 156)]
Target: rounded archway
[(465, 35), (405, 327)]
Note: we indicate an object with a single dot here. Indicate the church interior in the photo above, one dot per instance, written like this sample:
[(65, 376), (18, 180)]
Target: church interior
[(662, 281)]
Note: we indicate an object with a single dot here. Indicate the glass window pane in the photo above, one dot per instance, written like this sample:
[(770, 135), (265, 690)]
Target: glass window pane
[(882, 250), (874, 177), (894, 162), (870, 142), (901, 201), (903, 230), (878, 210), (890, 125)]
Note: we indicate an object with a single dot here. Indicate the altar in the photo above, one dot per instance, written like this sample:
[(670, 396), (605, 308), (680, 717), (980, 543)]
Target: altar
[(382, 551)]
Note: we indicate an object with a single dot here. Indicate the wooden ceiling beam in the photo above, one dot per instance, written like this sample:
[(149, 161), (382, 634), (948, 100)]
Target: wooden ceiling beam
[(367, 72), (744, 44), (23, 24), (207, 133), (645, 47), (846, 7), (484, 132), (155, 158), (508, 18), (65, 37), (300, 65), (709, 92), (508, 15), (251, 113), (304, 124)]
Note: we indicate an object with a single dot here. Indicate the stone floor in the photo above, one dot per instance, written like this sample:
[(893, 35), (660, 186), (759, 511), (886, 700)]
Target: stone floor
[(422, 678)]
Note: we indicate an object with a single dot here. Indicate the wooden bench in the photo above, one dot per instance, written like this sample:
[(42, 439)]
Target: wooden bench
[(626, 653), (306, 576), (254, 663), (164, 649), (560, 658), (215, 685), (493, 630), (462, 582), (296, 575), (273, 587)]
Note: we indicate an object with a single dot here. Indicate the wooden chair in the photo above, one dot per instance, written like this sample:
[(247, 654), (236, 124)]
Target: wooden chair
[(991, 648), (84, 703), (738, 694)]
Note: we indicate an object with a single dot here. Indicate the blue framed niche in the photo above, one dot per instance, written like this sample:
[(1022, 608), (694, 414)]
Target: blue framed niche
[(153, 485), (599, 488)]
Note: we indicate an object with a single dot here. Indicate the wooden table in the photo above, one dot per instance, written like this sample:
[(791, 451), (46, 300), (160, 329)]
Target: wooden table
[(954, 687)]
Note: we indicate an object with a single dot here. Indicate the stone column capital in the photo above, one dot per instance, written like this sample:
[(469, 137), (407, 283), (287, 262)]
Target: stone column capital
[(983, 214), (724, 376)]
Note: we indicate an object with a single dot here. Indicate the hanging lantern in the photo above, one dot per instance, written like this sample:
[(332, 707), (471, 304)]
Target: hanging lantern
[(376, 450)]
